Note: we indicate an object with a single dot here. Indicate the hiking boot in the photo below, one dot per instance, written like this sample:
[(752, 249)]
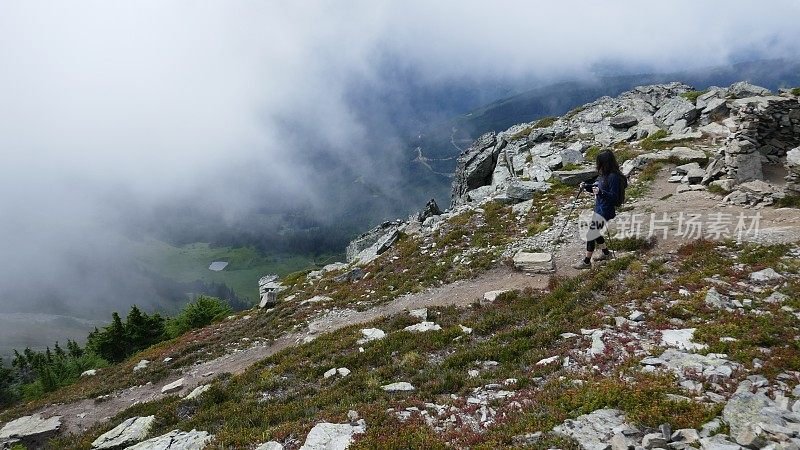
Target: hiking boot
[(582, 265), (604, 256)]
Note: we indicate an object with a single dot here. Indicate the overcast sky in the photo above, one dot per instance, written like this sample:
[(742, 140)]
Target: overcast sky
[(143, 100)]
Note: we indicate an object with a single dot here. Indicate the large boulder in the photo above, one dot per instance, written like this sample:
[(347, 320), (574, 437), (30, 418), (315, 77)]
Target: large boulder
[(715, 109), (656, 95), (676, 154), (175, 440), (575, 177), (332, 436), (623, 121), (475, 166), (130, 431), (525, 190), (431, 209), (32, 431), (373, 243), (743, 89), (675, 109), (534, 262)]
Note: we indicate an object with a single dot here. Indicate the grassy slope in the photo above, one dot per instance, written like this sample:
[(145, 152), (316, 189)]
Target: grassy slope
[(190, 262), (285, 395)]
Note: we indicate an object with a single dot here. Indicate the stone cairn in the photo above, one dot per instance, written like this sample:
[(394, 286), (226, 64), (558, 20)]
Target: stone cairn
[(768, 127)]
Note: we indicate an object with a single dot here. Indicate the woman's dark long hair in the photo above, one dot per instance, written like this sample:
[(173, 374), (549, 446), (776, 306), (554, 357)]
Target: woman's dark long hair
[(607, 164)]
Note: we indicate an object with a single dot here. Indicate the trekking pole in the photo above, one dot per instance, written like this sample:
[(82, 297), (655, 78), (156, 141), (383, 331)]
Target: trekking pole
[(566, 221)]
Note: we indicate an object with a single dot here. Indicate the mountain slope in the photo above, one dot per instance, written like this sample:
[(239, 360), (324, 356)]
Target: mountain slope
[(677, 330)]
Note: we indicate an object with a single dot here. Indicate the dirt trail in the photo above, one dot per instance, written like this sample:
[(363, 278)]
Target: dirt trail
[(81, 415)]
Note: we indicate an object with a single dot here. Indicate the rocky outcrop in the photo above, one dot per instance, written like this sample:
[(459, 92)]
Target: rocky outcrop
[(176, 440), (431, 210), (757, 421), (31, 431), (373, 243), (268, 289), (128, 432), (475, 166), (747, 125)]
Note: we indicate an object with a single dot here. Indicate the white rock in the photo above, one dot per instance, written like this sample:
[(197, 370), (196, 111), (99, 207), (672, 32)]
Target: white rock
[(598, 346), (681, 339), (421, 313), (130, 431), (636, 316), (465, 330), (371, 334), (332, 436), (422, 327), (534, 262), (316, 299), (491, 296), (776, 297), (546, 361), (175, 440), (400, 386), (175, 386), (167, 359), (271, 445), (765, 275), (329, 373), (141, 365), (30, 428), (89, 373), (716, 300), (343, 371), (196, 392)]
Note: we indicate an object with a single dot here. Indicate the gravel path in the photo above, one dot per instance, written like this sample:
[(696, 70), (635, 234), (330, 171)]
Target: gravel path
[(81, 415)]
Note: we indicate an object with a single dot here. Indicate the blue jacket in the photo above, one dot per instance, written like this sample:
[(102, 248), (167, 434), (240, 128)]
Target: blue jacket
[(609, 195)]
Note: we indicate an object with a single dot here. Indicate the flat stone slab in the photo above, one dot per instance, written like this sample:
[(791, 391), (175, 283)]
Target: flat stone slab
[(175, 440), (30, 430), (422, 327), (197, 392), (175, 386), (681, 339), (130, 431), (575, 177), (400, 386), (371, 334), (332, 436), (491, 296), (534, 262)]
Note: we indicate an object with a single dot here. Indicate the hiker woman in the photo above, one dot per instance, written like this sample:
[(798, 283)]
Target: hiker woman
[(609, 192)]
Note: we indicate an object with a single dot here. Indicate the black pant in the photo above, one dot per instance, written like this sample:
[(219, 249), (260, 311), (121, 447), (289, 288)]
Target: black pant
[(597, 224), (591, 244)]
